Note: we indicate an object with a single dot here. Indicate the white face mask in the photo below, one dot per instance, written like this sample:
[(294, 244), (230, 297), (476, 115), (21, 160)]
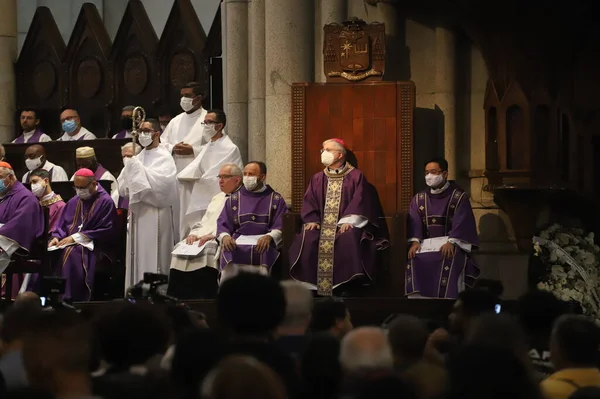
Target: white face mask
[(327, 158), (209, 132), (250, 182), (33, 164), (186, 104), (434, 180), (83, 193), (38, 189), (145, 139)]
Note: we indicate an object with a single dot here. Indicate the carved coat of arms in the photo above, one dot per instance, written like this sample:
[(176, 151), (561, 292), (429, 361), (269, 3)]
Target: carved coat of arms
[(354, 51)]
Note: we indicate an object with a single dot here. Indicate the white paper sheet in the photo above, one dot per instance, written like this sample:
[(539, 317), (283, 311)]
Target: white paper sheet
[(192, 249), (433, 244), (248, 240), (56, 248)]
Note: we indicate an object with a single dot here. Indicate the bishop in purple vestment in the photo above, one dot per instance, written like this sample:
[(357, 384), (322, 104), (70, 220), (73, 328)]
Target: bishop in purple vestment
[(343, 225), (255, 210), (441, 211), (21, 218), (86, 229)]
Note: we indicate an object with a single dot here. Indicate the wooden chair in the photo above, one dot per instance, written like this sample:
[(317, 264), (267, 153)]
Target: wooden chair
[(38, 261), (109, 279)]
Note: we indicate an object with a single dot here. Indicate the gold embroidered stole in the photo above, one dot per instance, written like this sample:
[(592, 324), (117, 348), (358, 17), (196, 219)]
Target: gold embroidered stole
[(51, 201), (331, 211)]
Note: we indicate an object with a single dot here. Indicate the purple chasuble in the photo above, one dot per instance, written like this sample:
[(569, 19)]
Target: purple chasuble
[(123, 203), (35, 137), (23, 222), (94, 218), (121, 135), (99, 172), (250, 213), (323, 257), (449, 214)]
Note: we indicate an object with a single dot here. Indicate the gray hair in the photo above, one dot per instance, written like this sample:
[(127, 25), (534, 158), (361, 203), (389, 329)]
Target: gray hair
[(336, 144), (234, 169), (7, 171), (365, 348), (2, 151), (132, 146), (128, 108), (299, 302)]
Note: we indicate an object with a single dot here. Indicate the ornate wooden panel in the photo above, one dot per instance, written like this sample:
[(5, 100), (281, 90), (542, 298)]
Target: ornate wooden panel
[(181, 52), (375, 121), (90, 81), (133, 57), (39, 71), (213, 52)]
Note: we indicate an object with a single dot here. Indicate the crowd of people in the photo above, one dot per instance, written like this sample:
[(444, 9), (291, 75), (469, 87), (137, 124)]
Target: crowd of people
[(272, 342)]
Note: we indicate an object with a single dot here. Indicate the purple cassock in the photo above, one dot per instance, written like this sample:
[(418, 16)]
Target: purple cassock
[(121, 135), (251, 213), (325, 258), (22, 221), (99, 172), (35, 137), (94, 218), (449, 214)]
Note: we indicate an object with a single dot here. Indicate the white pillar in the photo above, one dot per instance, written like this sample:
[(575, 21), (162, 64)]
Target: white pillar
[(445, 92), (8, 55), (256, 83), (326, 12), (236, 95), (289, 59)]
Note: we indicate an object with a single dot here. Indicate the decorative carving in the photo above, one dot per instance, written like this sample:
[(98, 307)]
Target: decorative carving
[(354, 51), (406, 107), (182, 69), (298, 146), (135, 74), (44, 79), (89, 77)]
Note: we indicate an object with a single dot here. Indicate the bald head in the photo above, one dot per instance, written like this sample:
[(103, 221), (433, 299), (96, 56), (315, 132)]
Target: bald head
[(365, 348), (29, 298)]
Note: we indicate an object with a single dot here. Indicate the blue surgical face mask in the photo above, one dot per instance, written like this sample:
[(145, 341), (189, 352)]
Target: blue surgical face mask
[(2, 185), (69, 126)]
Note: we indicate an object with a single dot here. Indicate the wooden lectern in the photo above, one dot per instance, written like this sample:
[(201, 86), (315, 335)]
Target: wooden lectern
[(375, 120)]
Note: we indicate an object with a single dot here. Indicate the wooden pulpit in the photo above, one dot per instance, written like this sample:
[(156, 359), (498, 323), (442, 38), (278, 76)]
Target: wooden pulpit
[(375, 120)]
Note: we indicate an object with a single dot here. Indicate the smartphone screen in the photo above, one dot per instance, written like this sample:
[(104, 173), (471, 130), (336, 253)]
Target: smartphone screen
[(498, 308), (43, 301)]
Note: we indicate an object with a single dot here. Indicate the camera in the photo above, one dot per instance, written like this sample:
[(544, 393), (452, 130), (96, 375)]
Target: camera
[(151, 289), (50, 293)]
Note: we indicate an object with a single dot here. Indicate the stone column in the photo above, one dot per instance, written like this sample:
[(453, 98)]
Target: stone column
[(289, 59), (256, 82), (445, 92), (236, 95), (8, 55), (326, 12)]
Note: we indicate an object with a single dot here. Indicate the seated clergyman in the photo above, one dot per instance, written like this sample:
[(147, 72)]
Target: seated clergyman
[(197, 276), (86, 228), (342, 229), (250, 226)]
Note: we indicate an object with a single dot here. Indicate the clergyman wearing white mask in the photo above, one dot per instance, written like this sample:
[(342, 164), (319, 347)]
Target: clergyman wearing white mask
[(198, 182), (441, 221), (35, 158)]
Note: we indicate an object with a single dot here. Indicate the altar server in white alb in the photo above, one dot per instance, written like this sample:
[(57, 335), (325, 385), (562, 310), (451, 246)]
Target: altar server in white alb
[(149, 183), (199, 181), (193, 277)]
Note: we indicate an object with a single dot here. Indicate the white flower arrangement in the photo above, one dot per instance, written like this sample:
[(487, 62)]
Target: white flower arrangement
[(572, 263)]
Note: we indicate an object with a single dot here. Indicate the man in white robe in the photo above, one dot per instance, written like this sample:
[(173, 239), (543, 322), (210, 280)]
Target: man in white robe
[(35, 158), (85, 157), (193, 277), (198, 182), (71, 125), (127, 151), (149, 183)]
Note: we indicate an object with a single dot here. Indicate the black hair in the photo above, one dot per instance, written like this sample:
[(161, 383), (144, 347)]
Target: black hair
[(251, 304), (538, 310), (155, 124), (578, 338), (18, 319), (476, 301), (41, 173), (326, 313), (35, 112), (261, 165), (220, 114), (440, 161), (196, 88)]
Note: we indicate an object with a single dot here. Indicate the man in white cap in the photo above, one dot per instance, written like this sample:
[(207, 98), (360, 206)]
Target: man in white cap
[(85, 157)]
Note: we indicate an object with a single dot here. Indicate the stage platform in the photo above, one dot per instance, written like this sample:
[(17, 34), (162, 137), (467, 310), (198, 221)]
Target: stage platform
[(364, 311)]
